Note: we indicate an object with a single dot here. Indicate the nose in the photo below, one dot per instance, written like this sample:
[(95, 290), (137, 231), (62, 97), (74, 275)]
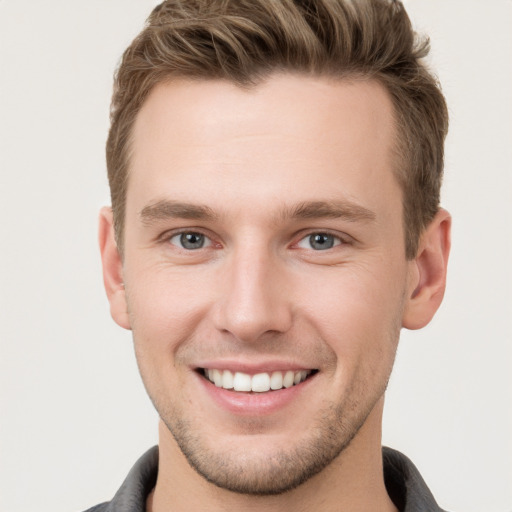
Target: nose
[(254, 299)]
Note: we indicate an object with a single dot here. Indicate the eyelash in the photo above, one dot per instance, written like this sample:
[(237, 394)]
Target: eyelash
[(169, 236), (338, 240)]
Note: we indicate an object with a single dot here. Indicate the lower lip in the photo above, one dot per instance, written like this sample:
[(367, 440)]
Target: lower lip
[(251, 404)]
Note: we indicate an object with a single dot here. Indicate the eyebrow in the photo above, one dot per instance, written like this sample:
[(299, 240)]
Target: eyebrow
[(167, 209), (341, 209)]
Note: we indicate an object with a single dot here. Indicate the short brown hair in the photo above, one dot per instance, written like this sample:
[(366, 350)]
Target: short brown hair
[(245, 41)]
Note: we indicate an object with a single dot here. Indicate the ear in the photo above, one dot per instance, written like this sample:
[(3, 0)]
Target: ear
[(112, 269), (428, 273)]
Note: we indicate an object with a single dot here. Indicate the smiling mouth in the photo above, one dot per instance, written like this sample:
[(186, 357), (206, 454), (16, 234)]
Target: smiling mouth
[(259, 383)]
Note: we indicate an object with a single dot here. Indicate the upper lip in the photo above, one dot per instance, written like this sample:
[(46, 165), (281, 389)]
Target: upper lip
[(254, 368)]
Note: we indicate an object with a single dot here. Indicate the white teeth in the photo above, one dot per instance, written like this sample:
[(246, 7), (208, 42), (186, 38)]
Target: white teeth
[(242, 382), (288, 379), (217, 378), (276, 380), (259, 383), (227, 380)]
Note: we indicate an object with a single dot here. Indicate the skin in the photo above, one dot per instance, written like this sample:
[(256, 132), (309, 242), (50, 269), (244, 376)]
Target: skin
[(258, 293)]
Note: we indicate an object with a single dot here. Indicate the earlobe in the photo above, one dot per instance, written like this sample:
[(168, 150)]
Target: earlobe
[(112, 269), (428, 273)]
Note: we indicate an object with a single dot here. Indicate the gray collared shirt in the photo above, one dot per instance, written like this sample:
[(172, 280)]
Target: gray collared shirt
[(404, 484)]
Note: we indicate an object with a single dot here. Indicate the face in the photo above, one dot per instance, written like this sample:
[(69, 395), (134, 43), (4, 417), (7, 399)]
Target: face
[(265, 271)]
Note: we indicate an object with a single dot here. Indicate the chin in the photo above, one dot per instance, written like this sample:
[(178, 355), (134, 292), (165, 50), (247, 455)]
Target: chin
[(262, 464)]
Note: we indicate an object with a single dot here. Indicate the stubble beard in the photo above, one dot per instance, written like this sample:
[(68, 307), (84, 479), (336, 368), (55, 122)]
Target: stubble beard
[(250, 472)]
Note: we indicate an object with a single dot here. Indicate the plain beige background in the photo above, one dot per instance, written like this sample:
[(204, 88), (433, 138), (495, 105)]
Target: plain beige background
[(74, 415)]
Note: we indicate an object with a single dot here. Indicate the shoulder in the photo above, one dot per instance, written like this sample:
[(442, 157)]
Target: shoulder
[(132, 495), (102, 507), (404, 484)]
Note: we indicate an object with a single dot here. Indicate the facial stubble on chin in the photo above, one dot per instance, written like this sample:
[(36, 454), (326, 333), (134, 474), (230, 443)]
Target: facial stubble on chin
[(244, 473)]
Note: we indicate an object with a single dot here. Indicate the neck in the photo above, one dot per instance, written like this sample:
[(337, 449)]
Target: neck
[(353, 481)]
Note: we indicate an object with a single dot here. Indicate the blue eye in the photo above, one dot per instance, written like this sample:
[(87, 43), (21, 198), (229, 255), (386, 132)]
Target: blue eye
[(319, 241), (190, 241)]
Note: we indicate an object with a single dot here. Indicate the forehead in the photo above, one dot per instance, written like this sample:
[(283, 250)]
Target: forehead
[(290, 135)]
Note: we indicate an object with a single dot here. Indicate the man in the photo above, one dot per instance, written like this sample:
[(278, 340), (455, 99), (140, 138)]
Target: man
[(275, 171)]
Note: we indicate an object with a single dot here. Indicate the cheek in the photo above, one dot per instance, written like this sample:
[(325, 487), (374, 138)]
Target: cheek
[(358, 314), (163, 314), (353, 295), (164, 307)]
